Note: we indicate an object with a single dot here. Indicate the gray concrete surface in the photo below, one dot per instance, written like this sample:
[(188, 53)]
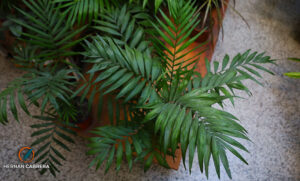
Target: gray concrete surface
[(271, 115)]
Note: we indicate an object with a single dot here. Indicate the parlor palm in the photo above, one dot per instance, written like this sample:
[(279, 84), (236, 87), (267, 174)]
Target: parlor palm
[(157, 102), (174, 103)]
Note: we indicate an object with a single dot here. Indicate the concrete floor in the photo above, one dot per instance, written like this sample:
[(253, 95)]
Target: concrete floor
[(271, 115)]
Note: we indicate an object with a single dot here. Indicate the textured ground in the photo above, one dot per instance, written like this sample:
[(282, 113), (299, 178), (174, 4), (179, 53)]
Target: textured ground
[(272, 115)]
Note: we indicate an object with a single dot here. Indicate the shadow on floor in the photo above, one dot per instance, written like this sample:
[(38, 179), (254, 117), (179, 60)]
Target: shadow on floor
[(287, 12)]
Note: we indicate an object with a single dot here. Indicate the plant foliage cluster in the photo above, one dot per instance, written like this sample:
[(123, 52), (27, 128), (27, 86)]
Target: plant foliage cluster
[(141, 66)]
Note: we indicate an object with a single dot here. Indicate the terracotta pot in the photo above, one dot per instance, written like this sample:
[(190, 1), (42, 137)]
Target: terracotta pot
[(94, 121), (206, 35), (212, 24), (84, 118), (203, 37)]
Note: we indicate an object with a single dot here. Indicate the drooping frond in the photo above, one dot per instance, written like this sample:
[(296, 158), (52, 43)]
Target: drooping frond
[(52, 136), (7, 96), (109, 143), (49, 87), (190, 119)]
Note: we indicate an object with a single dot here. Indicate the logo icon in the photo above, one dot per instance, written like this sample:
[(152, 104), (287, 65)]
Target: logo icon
[(26, 154)]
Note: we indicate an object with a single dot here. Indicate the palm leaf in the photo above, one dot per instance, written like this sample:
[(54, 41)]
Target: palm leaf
[(108, 146), (128, 70), (81, 11), (47, 30), (229, 76), (126, 25), (48, 133)]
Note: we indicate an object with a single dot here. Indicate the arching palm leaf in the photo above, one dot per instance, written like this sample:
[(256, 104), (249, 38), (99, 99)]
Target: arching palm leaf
[(51, 88), (48, 30), (190, 119), (52, 136), (128, 70)]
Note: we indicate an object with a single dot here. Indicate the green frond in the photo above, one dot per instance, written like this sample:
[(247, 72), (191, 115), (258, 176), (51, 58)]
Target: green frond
[(293, 74), (47, 29), (173, 38), (68, 112), (189, 118), (198, 127), (118, 142), (82, 11), (51, 87), (126, 25), (7, 96), (52, 137), (227, 77), (128, 70), (104, 146)]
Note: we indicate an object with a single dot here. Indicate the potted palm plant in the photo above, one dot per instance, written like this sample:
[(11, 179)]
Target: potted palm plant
[(138, 84)]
